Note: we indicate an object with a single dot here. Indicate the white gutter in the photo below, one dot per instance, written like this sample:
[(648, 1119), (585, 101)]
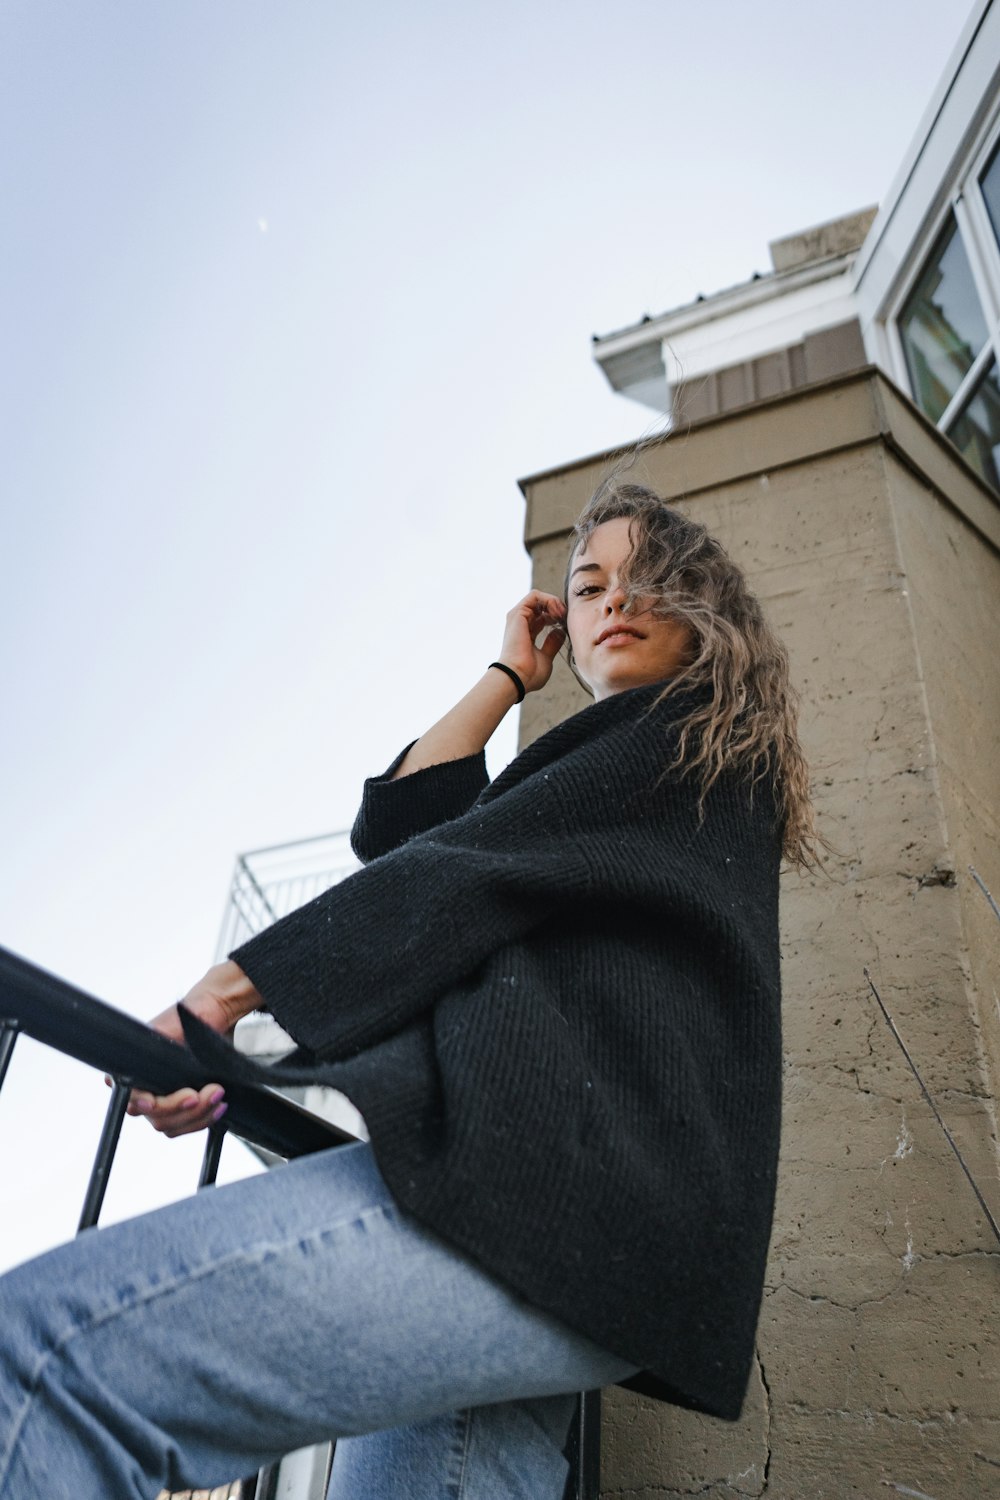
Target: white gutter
[(737, 299)]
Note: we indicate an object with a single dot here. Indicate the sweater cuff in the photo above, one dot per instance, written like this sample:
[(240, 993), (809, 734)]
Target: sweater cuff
[(393, 811)]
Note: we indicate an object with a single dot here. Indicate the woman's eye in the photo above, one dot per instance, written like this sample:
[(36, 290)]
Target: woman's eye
[(587, 588)]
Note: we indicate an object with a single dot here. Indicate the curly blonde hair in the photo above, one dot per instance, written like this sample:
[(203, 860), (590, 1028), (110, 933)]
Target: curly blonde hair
[(751, 717)]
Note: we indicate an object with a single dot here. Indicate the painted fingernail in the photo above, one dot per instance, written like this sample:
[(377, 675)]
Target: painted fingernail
[(216, 1096), (191, 1103), (143, 1106), (218, 1113)]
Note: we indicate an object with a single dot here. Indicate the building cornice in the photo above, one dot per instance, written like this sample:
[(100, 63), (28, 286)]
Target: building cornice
[(795, 428), (736, 299)]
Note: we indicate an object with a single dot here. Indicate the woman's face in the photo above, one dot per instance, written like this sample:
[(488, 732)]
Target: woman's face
[(614, 650)]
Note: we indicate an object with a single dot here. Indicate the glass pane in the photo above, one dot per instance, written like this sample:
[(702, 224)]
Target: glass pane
[(942, 325), (990, 184), (976, 433)]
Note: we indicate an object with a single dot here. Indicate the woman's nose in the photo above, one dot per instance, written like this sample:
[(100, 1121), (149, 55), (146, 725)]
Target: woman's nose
[(614, 599)]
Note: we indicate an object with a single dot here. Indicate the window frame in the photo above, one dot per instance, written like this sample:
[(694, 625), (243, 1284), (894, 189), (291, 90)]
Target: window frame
[(966, 204)]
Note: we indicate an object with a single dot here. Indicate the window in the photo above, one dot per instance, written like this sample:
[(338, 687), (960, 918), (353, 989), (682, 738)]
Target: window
[(989, 184), (949, 322), (942, 325), (976, 433)]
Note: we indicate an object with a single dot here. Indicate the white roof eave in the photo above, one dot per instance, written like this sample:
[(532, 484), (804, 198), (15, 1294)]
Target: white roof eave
[(736, 299)]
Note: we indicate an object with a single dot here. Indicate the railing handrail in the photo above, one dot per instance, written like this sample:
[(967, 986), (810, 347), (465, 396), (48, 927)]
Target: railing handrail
[(59, 1015)]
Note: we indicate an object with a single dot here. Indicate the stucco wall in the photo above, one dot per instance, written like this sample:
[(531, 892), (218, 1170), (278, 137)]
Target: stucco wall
[(878, 1361), (954, 597)]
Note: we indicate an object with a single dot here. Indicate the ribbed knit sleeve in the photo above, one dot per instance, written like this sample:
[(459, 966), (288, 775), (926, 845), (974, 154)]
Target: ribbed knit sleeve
[(392, 812), (381, 947)]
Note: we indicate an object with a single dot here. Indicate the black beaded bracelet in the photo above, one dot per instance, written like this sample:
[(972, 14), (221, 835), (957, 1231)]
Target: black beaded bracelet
[(513, 677)]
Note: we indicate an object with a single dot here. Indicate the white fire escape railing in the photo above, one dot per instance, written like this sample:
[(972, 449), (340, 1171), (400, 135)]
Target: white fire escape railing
[(269, 883)]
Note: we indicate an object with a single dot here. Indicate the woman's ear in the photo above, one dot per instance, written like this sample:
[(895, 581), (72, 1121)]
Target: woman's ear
[(571, 663)]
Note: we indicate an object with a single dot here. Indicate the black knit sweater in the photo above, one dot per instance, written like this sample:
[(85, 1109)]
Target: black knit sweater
[(555, 1000)]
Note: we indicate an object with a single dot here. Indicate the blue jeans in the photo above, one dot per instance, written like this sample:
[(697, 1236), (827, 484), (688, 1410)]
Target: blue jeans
[(193, 1345)]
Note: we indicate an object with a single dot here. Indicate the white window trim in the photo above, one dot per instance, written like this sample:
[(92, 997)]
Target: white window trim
[(981, 233), (967, 390), (962, 111), (982, 251)]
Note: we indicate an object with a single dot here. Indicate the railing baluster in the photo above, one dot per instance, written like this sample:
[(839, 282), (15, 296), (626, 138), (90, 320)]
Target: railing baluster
[(210, 1161), (97, 1186), (57, 1014), (8, 1036), (267, 1483), (584, 1449)]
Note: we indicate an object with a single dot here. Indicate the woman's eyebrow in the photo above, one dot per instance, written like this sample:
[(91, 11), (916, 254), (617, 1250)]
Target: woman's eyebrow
[(586, 568)]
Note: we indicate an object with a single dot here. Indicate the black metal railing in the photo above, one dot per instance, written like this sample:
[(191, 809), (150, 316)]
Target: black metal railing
[(55, 1013)]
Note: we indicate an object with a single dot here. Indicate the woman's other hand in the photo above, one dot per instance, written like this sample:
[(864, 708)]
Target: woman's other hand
[(220, 1000), (525, 623)]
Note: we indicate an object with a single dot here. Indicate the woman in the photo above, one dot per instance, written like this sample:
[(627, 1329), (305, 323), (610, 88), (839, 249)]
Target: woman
[(555, 1000)]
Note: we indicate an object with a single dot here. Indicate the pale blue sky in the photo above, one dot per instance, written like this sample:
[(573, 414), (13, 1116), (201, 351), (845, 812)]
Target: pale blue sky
[(292, 293)]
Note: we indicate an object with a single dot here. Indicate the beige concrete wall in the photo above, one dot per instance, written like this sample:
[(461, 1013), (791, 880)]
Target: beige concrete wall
[(954, 599), (878, 1360)]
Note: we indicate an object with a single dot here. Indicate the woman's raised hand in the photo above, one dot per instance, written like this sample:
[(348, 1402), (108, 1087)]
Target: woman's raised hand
[(525, 623), (220, 999), (466, 728)]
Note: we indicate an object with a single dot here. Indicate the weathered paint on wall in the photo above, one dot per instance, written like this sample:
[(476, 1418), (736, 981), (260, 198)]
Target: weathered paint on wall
[(877, 556)]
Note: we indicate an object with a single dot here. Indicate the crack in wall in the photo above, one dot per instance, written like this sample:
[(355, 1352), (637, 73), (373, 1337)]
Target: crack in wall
[(713, 1487), (767, 1420), (952, 1095), (657, 1489), (729, 1486), (849, 1307), (919, 1257), (869, 1416)]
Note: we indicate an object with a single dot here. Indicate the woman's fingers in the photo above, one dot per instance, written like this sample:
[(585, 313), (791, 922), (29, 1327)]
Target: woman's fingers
[(552, 614), (537, 610), (525, 623), (552, 644), (545, 606), (180, 1113), (219, 999)]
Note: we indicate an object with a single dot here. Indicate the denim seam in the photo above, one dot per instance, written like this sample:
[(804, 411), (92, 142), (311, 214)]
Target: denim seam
[(152, 1294), (467, 1418)]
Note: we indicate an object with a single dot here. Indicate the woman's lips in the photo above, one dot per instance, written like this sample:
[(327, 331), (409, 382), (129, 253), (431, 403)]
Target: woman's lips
[(618, 637)]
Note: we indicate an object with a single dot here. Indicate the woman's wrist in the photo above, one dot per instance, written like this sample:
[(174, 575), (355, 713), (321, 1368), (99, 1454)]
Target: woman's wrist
[(234, 990), (513, 677), (465, 729)]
